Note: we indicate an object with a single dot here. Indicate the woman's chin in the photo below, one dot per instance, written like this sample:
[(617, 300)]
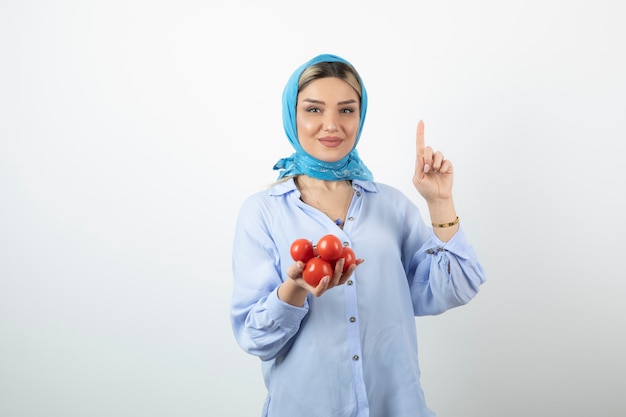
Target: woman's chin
[(332, 156)]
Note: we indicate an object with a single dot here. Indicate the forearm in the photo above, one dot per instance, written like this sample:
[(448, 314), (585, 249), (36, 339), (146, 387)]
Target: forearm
[(264, 328), (445, 277), (291, 293), (443, 212)]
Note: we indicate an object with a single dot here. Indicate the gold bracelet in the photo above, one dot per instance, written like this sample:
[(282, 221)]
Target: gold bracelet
[(446, 224)]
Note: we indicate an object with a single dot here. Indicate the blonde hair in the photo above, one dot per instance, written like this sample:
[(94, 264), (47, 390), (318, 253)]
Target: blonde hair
[(341, 70)]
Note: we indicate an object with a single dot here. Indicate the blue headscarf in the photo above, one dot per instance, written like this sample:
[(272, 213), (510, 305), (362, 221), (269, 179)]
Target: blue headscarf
[(350, 167)]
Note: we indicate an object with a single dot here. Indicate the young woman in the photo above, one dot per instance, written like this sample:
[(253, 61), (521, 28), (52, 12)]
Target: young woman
[(347, 346)]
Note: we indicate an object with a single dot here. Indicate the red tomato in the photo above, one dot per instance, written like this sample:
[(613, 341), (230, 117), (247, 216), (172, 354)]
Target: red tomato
[(349, 258), (316, 269), (329, 248), (301, 250)]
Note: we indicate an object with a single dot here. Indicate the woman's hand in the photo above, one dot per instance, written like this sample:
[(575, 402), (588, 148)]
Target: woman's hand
[(433, 180), (338, 278), (433, 174)]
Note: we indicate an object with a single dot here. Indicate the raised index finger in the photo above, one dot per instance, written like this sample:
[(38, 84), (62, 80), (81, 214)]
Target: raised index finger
[(419, 140)]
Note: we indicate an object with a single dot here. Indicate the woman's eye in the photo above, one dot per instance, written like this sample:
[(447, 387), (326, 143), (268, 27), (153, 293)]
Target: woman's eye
[(347, 110), (313, 110)]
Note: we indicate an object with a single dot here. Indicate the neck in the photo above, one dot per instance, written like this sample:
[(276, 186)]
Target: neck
[(304, 181), (330, 197)]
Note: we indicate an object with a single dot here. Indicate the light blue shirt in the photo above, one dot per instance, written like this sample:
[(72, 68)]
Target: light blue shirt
[(351, 352)]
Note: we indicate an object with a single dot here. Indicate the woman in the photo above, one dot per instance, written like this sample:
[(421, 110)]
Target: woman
[(348, 346)]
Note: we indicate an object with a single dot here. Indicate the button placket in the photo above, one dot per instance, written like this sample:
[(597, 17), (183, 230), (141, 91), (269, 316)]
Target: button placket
[(354, 344), (357, 193)]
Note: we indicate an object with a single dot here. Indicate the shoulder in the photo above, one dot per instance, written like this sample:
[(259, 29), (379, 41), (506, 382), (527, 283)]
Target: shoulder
[(267, 198), (382, 190), (388, 200)]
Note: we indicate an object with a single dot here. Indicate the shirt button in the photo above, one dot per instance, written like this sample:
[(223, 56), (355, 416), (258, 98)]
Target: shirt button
[(349, 282), (355, 358), (351, 218), (430, 251), (358, 194), (352, 319), (440, 249)]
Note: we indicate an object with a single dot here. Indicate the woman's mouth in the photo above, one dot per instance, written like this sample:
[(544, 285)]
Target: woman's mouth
[(330, 141)]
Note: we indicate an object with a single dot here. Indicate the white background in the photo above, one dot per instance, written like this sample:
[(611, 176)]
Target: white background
[(130, 132)]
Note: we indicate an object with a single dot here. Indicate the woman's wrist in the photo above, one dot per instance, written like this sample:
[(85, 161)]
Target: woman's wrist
[(442, 211), (448, 224), (444, 218), (292, 293)]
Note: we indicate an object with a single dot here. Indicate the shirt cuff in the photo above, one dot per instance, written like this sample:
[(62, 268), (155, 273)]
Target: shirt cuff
[(285, 315), (458, 244)]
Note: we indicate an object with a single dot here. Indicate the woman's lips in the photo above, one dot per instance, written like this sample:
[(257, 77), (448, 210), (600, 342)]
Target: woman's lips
[(330, 142)]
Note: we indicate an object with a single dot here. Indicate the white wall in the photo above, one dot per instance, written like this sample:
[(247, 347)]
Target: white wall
[(130, 132)]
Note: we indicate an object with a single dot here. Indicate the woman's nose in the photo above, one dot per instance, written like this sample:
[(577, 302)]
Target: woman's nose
[(330, 122)]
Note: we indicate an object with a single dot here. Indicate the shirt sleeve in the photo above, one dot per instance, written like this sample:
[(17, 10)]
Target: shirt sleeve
[(446, 275), (263, 324)]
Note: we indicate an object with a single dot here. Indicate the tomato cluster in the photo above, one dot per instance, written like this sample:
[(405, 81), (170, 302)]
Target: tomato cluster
[(320, 259)]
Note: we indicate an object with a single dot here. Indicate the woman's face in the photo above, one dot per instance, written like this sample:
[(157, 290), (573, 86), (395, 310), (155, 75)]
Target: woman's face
[(327, 118)]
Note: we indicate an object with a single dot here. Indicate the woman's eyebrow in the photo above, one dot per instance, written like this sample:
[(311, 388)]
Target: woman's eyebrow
[(341, 103), (312, 100)]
